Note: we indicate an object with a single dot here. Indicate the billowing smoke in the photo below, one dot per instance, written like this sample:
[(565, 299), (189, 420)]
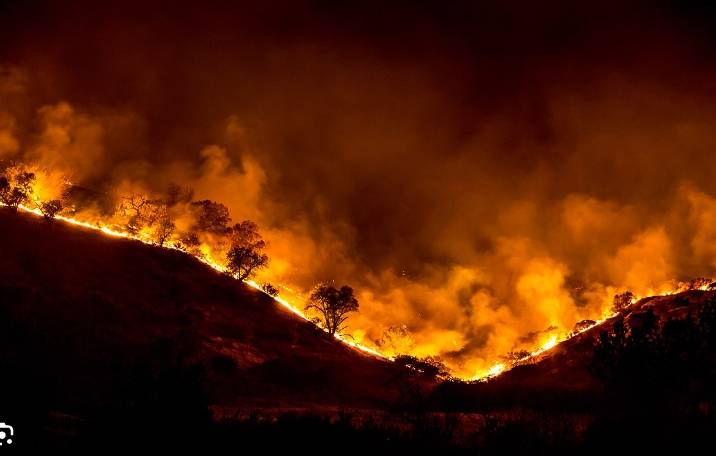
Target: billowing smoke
[(484, 177)]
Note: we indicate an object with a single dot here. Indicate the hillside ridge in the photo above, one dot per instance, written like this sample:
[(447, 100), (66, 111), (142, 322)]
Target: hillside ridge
[(97, 295)]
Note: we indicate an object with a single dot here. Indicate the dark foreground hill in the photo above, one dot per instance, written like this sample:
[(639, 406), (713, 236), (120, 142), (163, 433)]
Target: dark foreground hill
[(93, 326)]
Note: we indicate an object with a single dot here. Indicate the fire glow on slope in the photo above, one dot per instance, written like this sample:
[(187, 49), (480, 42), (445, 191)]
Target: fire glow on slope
[(499, 368), (494, 371), (214, 265)]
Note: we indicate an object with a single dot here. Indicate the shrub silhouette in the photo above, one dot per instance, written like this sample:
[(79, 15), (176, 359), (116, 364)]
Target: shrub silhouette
[(210, 217), (622, 301), (269, 289), (163, 230), (16, 187), (50, 209)]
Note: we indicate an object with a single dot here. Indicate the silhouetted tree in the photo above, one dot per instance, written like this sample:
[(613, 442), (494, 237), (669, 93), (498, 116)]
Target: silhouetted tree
[(152, 213), (16, 187), (246, 233), (211, 217), (164, 230), (142, 211), (190, 241), (582, 325), (246, 255), (333, 305), (50, 209), (622, 301), (269, 289), (244, 261)]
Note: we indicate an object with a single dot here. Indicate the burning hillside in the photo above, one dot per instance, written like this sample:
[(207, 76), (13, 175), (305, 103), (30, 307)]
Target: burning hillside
[(213, 242), (479, 202), (517, 296), (105, 303), (567, 363), (464, 189), (149, 221), (97, 326)]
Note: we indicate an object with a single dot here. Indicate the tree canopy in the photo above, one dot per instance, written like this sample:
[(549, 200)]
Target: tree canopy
[(16, 186), (246, 254), (333, 305)]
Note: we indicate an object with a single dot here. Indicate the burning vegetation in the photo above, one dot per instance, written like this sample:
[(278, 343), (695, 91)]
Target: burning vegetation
[(480, 318), (491, 195), (237, 250), (474, 192), (203, 228)]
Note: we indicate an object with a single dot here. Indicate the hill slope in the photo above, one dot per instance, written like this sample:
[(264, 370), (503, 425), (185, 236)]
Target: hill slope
[(86, 318), (566, 364), (564, 377)]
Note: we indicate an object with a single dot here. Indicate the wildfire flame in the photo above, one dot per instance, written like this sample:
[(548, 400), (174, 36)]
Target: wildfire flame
[(555, 340), (98, 226), (293, 302)]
